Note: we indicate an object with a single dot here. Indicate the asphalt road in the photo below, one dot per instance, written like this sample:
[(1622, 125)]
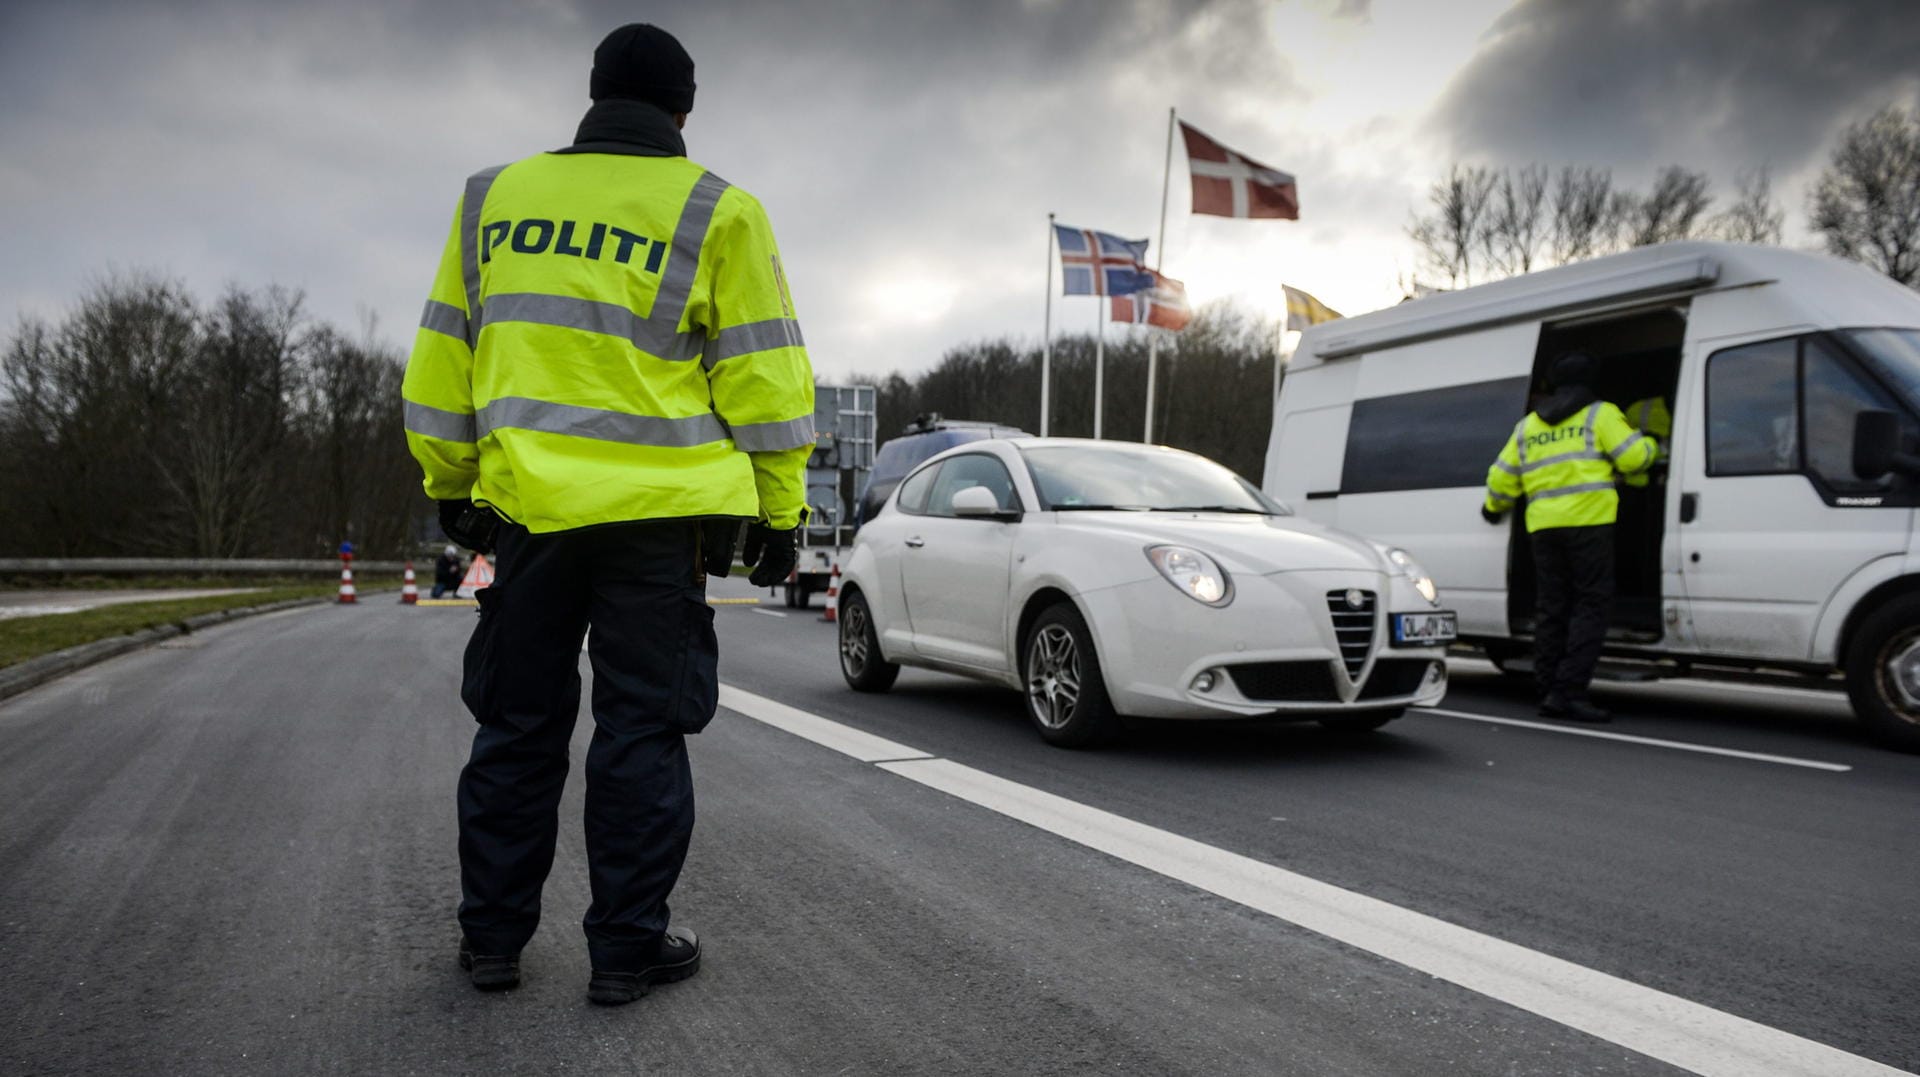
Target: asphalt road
[(234, 853)]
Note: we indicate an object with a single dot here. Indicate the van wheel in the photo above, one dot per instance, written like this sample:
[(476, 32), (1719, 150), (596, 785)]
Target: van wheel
[(1883, 673), (1066, 695), (1364, 722), (861, 662)]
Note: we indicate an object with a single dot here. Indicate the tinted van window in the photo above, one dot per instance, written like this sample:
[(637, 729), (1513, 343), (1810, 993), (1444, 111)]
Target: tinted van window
[(1753, 425), (1430, 440)]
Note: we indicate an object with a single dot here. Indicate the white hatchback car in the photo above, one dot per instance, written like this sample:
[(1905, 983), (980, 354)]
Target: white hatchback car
[(1104, 578)]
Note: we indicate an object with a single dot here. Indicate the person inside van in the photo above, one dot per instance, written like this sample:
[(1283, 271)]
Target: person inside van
[(1565, 458)]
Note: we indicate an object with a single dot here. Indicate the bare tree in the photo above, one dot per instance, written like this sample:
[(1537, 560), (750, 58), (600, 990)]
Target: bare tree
[(1671, 210), (1586, 214), (1517, 222), (146, 424), (1867, 201), (1452, 235), (1754, 217)]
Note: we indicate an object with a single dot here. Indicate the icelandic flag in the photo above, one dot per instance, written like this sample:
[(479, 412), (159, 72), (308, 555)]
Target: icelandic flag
[(1096, 263)]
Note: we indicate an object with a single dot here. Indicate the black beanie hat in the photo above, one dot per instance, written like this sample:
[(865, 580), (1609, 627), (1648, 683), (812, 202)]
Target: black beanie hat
[(1573, 368), (642, 62)]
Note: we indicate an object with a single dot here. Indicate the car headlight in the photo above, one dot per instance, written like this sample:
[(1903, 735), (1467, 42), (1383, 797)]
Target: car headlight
[(1194, 573), (1404, 564)]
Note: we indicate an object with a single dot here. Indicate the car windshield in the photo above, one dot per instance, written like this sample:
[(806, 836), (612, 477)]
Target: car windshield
[(1894, 354), (1086, 477)]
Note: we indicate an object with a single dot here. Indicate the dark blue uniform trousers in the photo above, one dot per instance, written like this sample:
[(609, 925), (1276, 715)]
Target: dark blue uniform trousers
[(652, 648), (1573, 581)]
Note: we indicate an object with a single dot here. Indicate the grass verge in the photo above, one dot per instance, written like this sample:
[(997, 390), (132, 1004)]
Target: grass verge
[(22, 638)]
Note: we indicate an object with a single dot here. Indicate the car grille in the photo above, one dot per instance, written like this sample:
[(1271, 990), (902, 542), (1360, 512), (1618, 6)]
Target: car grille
[(1285, 682), (1353, 628), (1395, 677)]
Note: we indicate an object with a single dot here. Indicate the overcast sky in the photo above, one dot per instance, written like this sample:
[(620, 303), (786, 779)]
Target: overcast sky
[(907, 151)]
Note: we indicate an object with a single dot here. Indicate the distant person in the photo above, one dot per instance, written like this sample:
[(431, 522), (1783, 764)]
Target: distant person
[(1564, 457), (607, 384), (446, 571)]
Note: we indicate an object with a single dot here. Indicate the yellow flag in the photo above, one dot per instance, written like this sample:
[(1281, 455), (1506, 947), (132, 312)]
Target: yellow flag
[(1304, 310)]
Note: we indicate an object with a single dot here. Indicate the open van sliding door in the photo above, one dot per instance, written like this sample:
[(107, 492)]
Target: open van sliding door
[(1771, 519), (1428, 420)]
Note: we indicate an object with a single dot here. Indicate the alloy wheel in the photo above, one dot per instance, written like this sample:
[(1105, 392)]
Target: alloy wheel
[(1900, 674), (1053, 676), (853, 639)]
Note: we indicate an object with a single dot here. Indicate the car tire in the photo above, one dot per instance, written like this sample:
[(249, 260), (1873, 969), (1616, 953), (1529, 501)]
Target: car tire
[(1883, 673), (861, 662), (1363, 722), (1065, 693)]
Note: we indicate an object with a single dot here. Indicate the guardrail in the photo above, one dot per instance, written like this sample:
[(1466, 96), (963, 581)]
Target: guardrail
[(206, 566)]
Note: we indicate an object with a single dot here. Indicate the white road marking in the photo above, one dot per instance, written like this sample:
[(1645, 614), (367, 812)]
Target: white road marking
[(1662, 1026), (844, 739), (1656, 742), (770, 613)]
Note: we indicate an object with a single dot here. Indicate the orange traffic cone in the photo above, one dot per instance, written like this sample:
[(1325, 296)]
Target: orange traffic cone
[(346, 585), (833, 595), (409, 593)]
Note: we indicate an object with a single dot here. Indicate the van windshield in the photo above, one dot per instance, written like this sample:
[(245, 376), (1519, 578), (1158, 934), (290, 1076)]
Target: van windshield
[(1894, 354)]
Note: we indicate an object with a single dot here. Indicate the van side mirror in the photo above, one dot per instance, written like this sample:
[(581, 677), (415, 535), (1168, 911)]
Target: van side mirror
[(1876, 447), (1876, 444)]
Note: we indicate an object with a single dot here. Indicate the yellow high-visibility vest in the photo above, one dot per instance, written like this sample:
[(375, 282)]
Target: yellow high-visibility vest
[(1651, 416), (1566, 470), (611, 338)]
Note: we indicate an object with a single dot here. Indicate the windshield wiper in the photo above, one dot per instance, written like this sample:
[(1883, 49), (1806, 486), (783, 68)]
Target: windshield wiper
[(1215, 508), (1101, 508)]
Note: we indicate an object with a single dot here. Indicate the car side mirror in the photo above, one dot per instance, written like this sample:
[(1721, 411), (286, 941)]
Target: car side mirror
[(979, 501)]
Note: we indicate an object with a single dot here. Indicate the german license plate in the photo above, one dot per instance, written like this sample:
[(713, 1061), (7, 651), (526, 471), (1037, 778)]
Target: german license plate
[(1425, 627)]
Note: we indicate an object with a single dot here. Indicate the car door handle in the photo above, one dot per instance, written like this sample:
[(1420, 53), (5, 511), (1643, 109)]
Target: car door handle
[(1689, 507), (916, 542)]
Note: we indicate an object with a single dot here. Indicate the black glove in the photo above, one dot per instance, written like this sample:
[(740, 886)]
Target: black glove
[(769, 553), (717, 540), (1491, 516), (469, 525)]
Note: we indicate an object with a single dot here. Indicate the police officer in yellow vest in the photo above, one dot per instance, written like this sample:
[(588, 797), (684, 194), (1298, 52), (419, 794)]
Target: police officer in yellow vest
[(1564, 458), (608, 382)]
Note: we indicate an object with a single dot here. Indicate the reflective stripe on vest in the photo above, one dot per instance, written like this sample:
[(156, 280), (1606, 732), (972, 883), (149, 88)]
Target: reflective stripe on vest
[(656, 333)]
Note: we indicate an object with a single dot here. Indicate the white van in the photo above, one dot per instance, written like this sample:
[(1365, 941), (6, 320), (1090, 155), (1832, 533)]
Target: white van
[(1781, 533)]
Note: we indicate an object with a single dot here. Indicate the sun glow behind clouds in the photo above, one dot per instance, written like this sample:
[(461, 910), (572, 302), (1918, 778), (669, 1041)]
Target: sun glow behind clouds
[(1358, 147)]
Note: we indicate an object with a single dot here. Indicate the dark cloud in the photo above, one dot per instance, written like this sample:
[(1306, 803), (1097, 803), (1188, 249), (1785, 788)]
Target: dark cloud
[(1716, 84), (322, 145)]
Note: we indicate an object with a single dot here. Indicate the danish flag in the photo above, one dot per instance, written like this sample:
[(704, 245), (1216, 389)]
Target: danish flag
[(1227, 184), (1098, 263)]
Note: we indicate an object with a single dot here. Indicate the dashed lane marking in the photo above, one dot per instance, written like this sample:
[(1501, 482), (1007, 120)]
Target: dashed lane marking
[(1654, 1023), (1629, 738), (770, 613), (733, 602)]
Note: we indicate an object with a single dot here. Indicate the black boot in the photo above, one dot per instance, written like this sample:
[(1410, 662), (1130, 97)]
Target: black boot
[(1584, 710), (679, 958), (490, 972), (1553, 705)]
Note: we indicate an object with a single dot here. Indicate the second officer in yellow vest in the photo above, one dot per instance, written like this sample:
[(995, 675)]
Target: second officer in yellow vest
[(608, 378), (1564, 458)]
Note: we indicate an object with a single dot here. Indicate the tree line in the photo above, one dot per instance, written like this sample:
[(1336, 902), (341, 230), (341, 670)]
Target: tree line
[(1484, 223), (147, 423), (1213, 392)]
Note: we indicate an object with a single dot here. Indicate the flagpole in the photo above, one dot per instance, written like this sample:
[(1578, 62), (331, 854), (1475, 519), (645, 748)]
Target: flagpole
[(1099, 357), (1159, 259), (1046, 335)]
